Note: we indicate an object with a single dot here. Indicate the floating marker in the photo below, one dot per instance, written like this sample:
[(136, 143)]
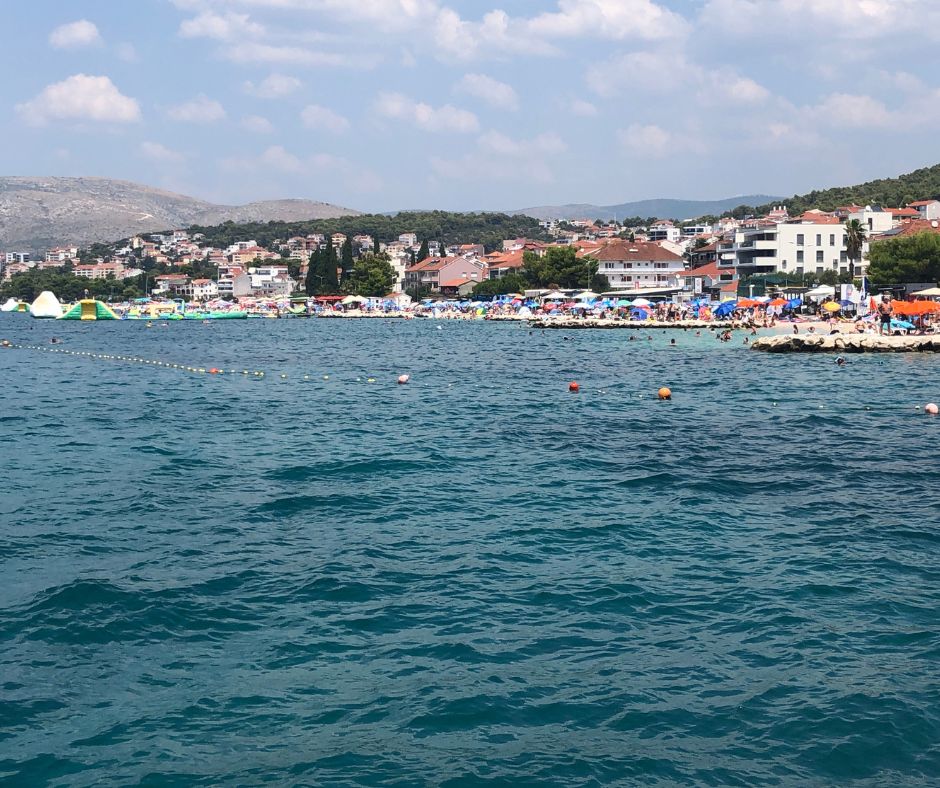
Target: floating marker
[(403, 379), (931, 408), (574, 386), (664, 393)]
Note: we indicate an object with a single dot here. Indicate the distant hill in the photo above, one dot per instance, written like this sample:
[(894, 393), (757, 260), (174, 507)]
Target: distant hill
[(37, 213), (661, 209), (922, 184)]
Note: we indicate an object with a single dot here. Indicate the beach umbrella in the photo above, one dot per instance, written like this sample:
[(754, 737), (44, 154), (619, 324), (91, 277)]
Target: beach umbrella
[(779, 302), (831, 306), (641, 302), (724, 309), (933, 292)]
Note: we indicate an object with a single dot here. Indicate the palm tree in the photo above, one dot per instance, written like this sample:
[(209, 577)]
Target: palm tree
[(854, 239)]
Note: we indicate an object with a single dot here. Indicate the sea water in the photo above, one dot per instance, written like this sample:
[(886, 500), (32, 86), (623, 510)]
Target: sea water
[(477, 578)]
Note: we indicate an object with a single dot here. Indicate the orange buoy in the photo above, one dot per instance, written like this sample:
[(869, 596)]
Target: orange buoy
[(664, 393), (213, 371), (573, 386)]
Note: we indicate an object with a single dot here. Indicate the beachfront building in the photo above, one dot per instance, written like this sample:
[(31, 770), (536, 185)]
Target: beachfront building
[(501, 263), (433, 271), (173, 284), (100, 271), (271, 281), (205, 289), (233, 281), (796, 247), (639, 265)]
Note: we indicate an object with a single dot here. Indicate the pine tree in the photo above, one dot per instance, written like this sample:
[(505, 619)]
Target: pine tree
[(330, 280), (346, 260), (311, 283), (413, 260), (423, 251), (375, 245)]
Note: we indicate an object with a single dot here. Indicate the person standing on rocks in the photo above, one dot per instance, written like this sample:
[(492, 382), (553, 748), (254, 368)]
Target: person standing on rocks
[(885, 311)]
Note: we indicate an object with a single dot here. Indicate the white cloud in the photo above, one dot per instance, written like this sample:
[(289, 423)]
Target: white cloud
[(852, 111), (257, 124), (323, 118), (201, 109), (75, 34), (494, 142), (161, 153), (424, 116), (127, 52), (666, 71), (253, 52), (278, 159), (492, 91), (80, 97), (830, 19), (273, 86), (222, 27), (584, 109), (617, 19), (500, 157), (650, 140)]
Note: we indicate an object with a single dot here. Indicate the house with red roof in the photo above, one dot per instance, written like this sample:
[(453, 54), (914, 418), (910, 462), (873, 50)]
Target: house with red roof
[(638, 265), (927, 209), (430, 273)]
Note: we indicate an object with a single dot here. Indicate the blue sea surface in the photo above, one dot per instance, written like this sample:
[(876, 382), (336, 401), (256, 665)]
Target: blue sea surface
[(474, 579)]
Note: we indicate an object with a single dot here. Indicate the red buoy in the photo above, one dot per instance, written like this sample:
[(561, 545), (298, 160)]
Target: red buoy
[(573, 386)]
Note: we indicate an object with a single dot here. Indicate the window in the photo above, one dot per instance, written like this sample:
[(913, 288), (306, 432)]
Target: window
[(799, 256), (832, 239), (819, 269), (819, 256), (844, 257), (799, 270), (799, 239), (818, 239)]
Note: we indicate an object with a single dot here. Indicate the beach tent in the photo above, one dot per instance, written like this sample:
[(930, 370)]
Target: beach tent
[(46, 305), (353, 299), (931, 292), (823, 291)]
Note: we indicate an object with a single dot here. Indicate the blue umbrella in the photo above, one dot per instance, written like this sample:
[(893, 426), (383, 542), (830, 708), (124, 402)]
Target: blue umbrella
[(725, 309)]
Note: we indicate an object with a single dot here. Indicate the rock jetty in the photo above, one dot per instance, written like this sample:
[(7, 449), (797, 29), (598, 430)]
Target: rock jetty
[(639, 325), (847, 343)]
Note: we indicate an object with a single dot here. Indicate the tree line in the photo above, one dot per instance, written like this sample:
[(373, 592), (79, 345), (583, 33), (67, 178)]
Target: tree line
[(488, 229)]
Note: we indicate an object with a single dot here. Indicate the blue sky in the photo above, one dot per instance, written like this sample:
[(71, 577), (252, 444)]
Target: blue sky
[(388, 104)]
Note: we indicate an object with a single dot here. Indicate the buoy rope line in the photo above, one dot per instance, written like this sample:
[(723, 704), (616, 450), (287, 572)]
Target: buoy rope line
[(663, 394), (402, 379)]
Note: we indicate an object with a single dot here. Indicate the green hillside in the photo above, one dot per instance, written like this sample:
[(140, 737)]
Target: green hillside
[(488, 229), (922, 184)]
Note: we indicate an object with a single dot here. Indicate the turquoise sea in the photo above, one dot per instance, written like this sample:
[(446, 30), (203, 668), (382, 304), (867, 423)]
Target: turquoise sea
[(475, 579)]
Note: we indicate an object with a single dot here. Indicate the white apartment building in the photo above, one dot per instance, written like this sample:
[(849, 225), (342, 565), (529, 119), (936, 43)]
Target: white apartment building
[(874, 220), (271, 280), (928, 209), (408, 239), (793, 248), (664, 231), (639, 265)]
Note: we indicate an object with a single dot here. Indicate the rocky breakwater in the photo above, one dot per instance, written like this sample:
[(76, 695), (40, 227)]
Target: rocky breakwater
[(640, 325), (847, 343)]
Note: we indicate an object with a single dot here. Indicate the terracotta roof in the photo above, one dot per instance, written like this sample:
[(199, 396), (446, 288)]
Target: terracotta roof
[(922, 202), (709, 269), (914, 226), (634, 250), (458, 282), (903, 212)]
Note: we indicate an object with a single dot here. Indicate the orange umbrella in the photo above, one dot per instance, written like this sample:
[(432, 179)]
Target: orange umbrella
[(922, 307), (779, 302)]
